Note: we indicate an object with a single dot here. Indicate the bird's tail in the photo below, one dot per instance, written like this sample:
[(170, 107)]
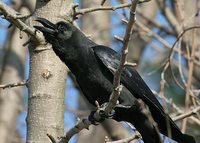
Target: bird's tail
[(140, 122), (188, 139), (147, 130), (176, 134)]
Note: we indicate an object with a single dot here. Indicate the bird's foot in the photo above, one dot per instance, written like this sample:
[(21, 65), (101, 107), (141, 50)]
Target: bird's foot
[(103, 113), (100, 115), (95, 118)]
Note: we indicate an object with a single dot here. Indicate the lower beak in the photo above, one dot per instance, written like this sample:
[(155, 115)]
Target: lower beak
[(47, 28)]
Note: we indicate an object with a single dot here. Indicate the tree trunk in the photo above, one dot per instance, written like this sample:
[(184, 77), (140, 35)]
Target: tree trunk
[(47, 82)]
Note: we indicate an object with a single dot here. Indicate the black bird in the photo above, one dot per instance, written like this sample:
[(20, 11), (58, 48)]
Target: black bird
[(93, 67)]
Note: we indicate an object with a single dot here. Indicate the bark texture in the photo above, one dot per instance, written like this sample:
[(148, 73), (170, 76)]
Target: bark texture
[(47, 78)]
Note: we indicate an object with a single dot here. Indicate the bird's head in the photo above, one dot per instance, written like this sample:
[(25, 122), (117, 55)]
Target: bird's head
[(60, 31)]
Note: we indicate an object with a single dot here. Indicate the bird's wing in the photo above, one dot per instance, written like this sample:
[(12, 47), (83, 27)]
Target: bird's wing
[(129, 78)]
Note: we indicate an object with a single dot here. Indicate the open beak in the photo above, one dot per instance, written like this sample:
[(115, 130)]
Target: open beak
[(47, 28)]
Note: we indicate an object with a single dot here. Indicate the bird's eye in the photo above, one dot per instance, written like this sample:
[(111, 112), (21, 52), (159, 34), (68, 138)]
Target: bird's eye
[(61, 28)]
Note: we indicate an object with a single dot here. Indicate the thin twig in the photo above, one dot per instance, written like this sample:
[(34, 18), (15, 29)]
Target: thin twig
[(155, 23), (190, 74), (22, 83), (114, 96), (172, 51), (102, 2), (118, 38), (128, 64), (179, 63), (181, 35), (89, 10), (82, 124), (187, 114), (126, 140), (170, 17), (174, 106), (112, 8)]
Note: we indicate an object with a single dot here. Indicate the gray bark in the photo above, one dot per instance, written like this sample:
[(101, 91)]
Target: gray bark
[(47, 78)]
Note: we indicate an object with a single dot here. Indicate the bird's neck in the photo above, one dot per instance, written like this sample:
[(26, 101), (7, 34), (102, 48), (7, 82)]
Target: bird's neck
[(80, 40), (77, 53)]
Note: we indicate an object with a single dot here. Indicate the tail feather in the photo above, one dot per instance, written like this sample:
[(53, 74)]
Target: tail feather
[(177, 135), (188, 139), (140, 121)]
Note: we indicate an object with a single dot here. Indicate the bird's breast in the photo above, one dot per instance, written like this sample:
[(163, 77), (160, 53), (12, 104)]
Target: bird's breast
[(96, 87)]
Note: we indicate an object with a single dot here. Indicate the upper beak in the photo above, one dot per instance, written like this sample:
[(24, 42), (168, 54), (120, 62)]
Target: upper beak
[(47, 28)]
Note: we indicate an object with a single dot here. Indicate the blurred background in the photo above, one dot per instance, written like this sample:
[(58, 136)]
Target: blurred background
[(159, 23)]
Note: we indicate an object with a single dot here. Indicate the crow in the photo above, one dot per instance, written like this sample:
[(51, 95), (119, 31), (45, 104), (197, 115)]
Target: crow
[(94, 65)]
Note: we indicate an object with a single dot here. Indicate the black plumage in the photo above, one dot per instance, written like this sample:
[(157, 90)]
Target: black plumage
[(93, 67)]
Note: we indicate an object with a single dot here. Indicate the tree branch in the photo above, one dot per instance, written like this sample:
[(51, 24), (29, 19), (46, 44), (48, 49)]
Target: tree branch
[(179, 111), (14, 17), (114, 96), (93, 9), (80, 125), (113, 8), (188, 114), (22, 83), (172, 52), (102, 2), (126, 140)]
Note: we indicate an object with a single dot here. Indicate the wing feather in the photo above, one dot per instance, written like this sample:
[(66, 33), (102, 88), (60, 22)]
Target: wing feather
[(131, 79)]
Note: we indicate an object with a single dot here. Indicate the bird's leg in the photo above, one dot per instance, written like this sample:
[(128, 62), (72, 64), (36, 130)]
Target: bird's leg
[(100, 115), (95, 118), (103, 113)]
